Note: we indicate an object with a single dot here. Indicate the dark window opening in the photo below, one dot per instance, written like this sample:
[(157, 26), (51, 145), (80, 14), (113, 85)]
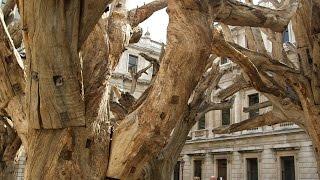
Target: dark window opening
[(176, 172), (253, 99), (287, 168), (133, 63), (225, 114), (252, 169), (224, 60), (202, 123), (222, 169), (285, 36), (197, 168)]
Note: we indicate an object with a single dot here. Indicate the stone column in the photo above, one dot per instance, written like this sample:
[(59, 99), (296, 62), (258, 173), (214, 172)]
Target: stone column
[(207, 167), (186, 169), (268, 164), (237, 108), (237, 166)]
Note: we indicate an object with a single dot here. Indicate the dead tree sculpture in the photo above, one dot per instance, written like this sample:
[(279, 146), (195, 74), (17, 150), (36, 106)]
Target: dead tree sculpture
[(57, 98)]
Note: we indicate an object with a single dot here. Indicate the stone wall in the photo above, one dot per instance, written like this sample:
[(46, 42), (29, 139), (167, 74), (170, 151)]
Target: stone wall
[(267, 147)]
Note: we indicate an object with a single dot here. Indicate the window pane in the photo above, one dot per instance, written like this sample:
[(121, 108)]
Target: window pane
[(202, 123), (225, 114), (285, 36), (224, 60), (222, 169), (176, 172), (197, 168), (253, 99), (133, 63), (252, 168), (287, 168)]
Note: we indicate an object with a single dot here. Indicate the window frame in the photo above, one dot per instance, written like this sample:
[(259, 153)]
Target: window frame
[(222, 116), (129, 65), (255, 113), (194, 167), (202, 119)]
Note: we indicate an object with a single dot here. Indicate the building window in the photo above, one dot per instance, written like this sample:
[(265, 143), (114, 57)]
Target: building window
[(252, 169), (224, 60), (202, 123), (222, 169), (176, 172), (285, 35), (133, 63), (253, 99), (287, 168), (225, 116), (197, 169)]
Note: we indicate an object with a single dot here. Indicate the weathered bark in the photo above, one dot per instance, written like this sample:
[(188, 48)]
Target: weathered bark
[(138, 15), (308, 40), (8, 7), (233, 12), (71, 153), (267, 119), (161, 167), (9, 145), (11, 92), (295, 91), (145, 131), (64, 90)]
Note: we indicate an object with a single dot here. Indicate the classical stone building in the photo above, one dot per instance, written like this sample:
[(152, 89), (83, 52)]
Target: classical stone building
[(278, 152), (132, 60)]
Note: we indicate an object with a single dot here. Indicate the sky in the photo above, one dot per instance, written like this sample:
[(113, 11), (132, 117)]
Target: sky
[(156, 24)]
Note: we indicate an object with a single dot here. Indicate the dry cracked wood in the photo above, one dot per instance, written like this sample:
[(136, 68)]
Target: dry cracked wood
[(267, 119), (146, 133)]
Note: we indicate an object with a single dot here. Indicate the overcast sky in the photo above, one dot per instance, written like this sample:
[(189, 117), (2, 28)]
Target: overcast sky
[(156, 24)]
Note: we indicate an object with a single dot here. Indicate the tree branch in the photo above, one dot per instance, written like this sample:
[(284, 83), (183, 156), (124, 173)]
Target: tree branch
[(217, 106), (155, 65), (224, 49), (257, 106), (239, 84), (91, 12), (7, 9), (138, 15), (11, 150), (136, 34), (236, 13), (267, 119), (12, 80), (118, 110), (136, 76)]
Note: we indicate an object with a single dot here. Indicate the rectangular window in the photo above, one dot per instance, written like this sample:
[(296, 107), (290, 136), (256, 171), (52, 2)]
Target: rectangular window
[(176, 172), (225, 116), (224, 60), (133, 63), (252, 169), (222, 169), (285, 36), (197, 169), (287, 168), (253, 100), (202, 123)]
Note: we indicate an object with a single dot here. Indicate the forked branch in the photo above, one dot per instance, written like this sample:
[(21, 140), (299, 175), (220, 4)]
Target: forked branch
[(267, 119)]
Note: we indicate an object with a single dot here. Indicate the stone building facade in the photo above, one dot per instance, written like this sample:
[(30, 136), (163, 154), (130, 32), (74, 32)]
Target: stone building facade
[(131, 59), (278, 152)]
